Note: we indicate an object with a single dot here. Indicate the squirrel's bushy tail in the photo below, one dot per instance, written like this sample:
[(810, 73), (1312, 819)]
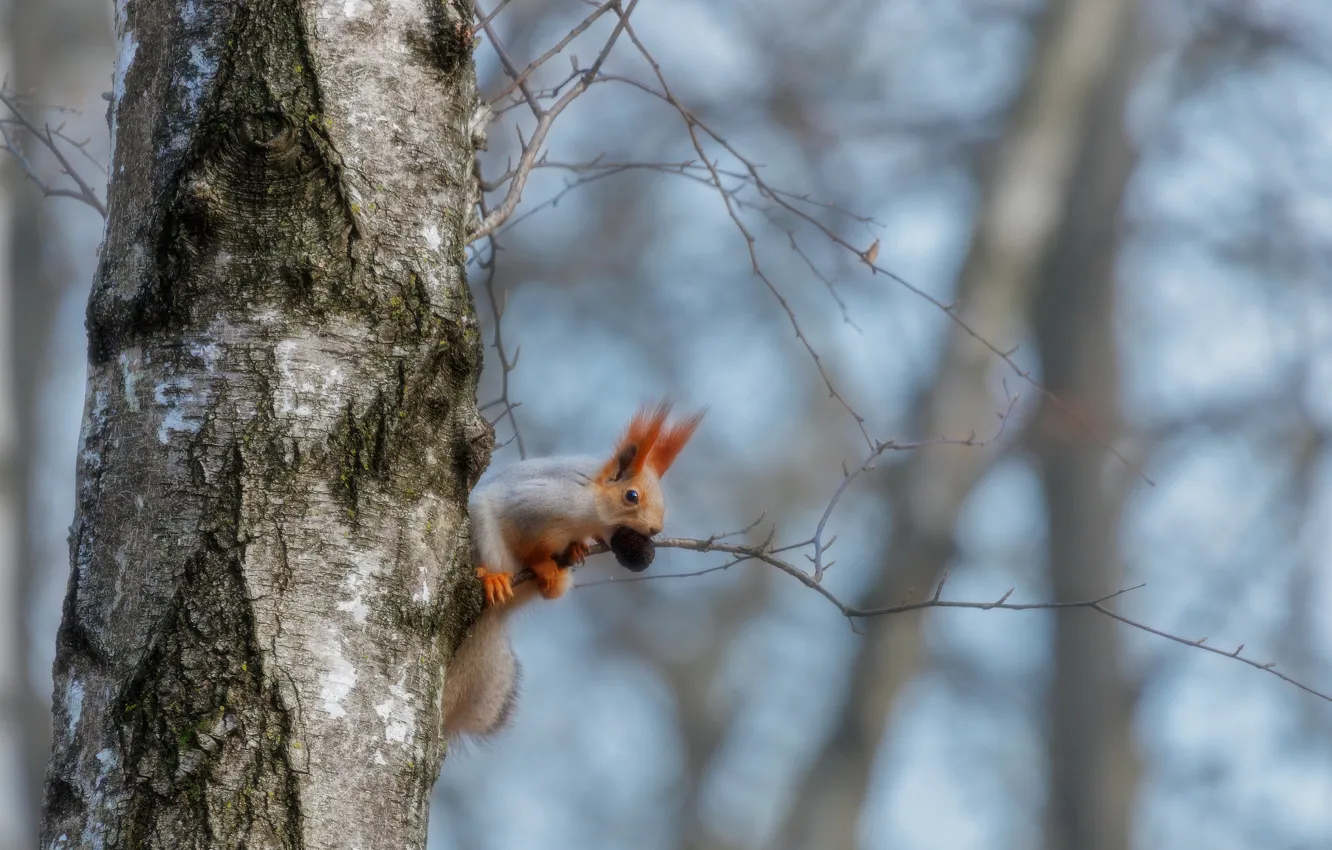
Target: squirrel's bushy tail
[(481, 681)]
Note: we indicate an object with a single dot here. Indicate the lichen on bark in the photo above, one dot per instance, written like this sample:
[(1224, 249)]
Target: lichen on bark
[(270, 552)]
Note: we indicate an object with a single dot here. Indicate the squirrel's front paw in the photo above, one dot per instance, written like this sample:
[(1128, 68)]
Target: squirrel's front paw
[(498, 586), (576, 553)]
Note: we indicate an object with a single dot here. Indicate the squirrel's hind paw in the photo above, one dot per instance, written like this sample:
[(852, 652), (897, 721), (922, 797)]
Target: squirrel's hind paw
[(498, 586), (551, 580)]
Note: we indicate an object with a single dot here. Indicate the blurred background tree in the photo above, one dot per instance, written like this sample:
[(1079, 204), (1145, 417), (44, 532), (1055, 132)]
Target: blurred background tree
[(1135, 195)]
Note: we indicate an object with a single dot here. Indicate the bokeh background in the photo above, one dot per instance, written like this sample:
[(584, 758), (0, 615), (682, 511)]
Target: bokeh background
[(1136, 195)]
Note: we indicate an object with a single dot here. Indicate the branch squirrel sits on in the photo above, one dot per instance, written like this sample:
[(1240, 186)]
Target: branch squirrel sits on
[(540, 514)]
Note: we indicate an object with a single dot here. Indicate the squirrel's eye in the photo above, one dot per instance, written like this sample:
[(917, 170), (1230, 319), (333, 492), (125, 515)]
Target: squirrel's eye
[(631, 496)]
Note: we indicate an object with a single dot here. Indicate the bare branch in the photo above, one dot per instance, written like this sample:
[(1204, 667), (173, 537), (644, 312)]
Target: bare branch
[(533, 147), (519, 80), (49, 139), (879, 448), (1099, 605), (508, 63), (482, 20), (814, 270), (507, 364), (692, 125), (82, 148), (692, 169), (1267, 667), (766, 553), (750, 176), (546, 93)]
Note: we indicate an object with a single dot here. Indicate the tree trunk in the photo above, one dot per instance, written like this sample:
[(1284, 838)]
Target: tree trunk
[(270, 559), (1093, 766), (1018, 221)]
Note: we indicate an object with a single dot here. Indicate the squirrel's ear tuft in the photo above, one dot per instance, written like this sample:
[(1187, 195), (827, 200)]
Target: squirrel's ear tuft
[(671, 441), (634, 448), (620, 464)]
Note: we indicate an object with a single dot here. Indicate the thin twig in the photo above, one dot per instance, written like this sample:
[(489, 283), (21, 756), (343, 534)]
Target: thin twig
[(51, 141), (82, 148), (879, 448), (832, 290), (1269, 667), (687, 168), (508, 65), (693, 124), (546, 93), (532, 149), (482, 20), (742, 554), (520, 79), (507, 364), (787, 201)]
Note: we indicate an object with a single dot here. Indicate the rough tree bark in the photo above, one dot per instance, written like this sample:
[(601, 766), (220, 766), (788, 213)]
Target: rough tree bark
[(270, 540)]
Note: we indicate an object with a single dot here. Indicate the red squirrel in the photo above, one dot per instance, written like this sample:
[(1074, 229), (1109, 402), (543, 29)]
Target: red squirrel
[(537, 514)]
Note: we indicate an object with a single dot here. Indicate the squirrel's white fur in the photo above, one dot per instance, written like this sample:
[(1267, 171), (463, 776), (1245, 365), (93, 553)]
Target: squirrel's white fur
[(531, 496), (536, 510)]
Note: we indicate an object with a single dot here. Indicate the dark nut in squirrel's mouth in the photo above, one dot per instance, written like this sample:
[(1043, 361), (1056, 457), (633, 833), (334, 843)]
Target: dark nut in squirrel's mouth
[(633, 551)]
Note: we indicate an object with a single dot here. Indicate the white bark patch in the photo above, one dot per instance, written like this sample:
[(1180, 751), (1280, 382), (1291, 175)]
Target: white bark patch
[(129, 367), (432, 238), (176, 395), (338, 681), (74, 701), (352, 8), (397, 714), (311, 380), (480, 120), (359, 582), (96, 418), (108, 761), (122, 565), (94, 832), (196, 84), (208, 353), (423, 547), (126, 47), (423, 595), (203, 69), (194, 78)]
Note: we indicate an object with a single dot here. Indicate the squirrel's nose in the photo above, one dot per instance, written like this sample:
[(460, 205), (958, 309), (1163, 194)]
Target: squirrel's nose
[(654, 531)]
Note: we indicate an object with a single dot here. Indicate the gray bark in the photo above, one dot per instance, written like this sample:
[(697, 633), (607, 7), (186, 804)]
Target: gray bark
[(270, 560), (1018, 221), (1093, 765)]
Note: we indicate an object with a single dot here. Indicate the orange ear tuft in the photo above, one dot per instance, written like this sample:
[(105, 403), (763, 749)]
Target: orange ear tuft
[(671, 441), (635, 447)]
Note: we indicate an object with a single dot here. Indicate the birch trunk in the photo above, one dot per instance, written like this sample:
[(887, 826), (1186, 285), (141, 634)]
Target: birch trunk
[(270, 547)]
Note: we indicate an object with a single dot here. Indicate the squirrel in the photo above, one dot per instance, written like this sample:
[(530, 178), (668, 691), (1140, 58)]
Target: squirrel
[(543, 514)]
